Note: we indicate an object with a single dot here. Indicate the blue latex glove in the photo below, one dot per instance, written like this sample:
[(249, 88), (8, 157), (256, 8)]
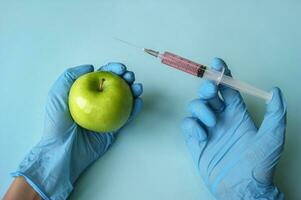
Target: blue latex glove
[(66, 149), (236, 159)]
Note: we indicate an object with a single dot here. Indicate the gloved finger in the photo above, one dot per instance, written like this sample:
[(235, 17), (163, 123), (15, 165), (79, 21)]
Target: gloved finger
[(202, 111), (274, 121), (208, 92), (137, 89), (191, 127), (195, 137), (229, 95), (116, 68), (138, 104), (75, 72), (129, 77)]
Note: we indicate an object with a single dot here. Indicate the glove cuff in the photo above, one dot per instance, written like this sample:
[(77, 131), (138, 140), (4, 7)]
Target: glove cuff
[(47, 171), (54, 164), (29, 180)]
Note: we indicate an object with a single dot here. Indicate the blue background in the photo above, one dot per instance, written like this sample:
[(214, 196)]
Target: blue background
[(260, 40)]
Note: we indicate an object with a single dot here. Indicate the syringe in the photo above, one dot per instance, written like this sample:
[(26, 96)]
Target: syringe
[(202, 71)]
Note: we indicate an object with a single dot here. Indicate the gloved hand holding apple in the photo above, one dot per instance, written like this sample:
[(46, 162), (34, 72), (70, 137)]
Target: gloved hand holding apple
[(101, 102)]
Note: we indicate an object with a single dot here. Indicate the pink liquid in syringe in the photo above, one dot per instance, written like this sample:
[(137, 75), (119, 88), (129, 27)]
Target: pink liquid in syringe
[(182, 64)]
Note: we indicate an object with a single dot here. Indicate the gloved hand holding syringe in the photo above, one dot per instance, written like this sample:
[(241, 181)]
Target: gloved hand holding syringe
[(204, 72)]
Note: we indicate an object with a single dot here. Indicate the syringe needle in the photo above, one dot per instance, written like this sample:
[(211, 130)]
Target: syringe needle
[(128, 43), (149, 51)]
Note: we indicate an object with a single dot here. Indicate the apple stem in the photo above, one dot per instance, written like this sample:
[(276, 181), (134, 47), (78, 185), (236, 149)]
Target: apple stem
[(101, 85)]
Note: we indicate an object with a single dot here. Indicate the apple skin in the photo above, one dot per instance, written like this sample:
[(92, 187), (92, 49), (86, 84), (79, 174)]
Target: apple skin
[(100, 101)]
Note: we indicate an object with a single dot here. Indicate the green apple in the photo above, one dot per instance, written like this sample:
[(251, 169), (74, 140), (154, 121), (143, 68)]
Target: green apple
[(100, 101)]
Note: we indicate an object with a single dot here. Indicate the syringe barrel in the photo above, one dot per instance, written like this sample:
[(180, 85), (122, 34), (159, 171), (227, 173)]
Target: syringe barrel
[(182, 64), (236, 84)]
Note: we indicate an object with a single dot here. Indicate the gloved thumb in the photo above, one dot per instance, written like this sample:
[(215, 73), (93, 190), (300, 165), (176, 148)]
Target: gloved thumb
[(274, 121), (271, 134), (64, 82), (75, 72)]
